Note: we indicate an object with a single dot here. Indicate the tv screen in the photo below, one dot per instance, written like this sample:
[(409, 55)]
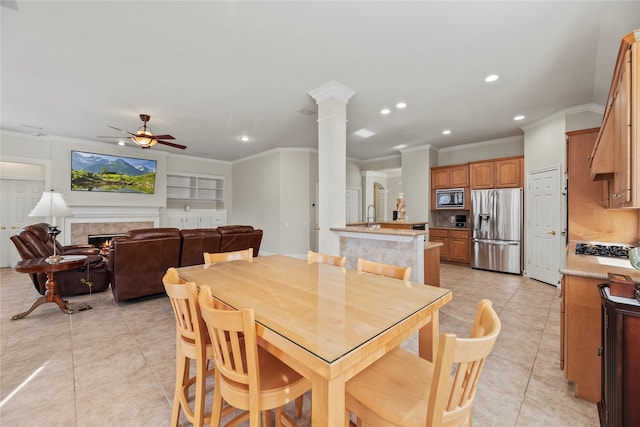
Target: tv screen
[(115, 174)]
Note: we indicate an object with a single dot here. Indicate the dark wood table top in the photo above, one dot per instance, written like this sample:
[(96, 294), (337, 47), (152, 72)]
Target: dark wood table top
[(39, 265)]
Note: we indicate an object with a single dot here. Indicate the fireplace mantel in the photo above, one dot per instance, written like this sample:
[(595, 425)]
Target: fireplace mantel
[(106, 220)]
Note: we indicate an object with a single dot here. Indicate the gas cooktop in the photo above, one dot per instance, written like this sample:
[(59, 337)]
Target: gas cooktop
[(617, 251)]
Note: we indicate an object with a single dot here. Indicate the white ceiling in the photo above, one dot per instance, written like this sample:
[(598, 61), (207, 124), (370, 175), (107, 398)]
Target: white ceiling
[(209, 72)]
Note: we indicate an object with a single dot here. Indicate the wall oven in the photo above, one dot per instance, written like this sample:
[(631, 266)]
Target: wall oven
[(451, 198)]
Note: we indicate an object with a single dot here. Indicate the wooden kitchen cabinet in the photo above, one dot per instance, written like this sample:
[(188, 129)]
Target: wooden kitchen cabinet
[(581, 335), (620, 368), (498, 173), (456, 245), (454, 176), (615, 154)]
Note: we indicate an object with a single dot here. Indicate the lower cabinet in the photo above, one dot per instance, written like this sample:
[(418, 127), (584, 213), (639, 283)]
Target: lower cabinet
[(187, 220), (620, 356), (456, 246), (580, 335)]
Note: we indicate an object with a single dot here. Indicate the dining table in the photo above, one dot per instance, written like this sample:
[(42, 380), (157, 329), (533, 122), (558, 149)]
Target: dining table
[(326, 322)]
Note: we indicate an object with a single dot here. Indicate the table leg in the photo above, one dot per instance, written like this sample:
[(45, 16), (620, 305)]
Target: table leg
[(428, 337), (327, 402), (50, 295)]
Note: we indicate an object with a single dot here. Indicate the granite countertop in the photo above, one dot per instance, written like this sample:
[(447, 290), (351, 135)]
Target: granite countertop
[(379, 230), (596, 267), (449, 228), (355, 224)]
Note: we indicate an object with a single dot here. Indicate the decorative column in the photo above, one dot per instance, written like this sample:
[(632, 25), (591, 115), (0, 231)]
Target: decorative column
[(332, 98)]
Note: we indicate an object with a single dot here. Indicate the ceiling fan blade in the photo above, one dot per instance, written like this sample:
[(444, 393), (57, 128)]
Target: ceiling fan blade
[(163, 137), (172, 144), (125, 131)]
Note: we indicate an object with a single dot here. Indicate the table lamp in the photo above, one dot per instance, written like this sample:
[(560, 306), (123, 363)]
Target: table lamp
[(52, 204)]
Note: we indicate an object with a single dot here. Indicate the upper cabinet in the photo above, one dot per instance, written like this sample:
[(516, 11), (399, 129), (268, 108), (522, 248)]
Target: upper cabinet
[(498, 173), (456, 176), (615, 154)]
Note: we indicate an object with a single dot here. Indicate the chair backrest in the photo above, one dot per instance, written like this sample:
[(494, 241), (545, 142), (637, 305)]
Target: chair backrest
[(451, 398), (246, 254), (235, 349), (315, 257), (384, 269), (189, 323)]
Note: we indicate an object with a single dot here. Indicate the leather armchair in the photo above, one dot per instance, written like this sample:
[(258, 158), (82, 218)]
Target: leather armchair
[(197, 241), (138, 261), (34, 241), (239, 237)]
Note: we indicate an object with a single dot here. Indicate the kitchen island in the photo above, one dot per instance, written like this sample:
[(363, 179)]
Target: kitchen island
[(385, 245)]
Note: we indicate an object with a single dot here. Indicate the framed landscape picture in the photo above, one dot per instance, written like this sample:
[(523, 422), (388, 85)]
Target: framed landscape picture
[(109, 173)]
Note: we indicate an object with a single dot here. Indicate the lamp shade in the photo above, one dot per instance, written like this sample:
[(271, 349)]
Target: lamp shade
[(51, 204)]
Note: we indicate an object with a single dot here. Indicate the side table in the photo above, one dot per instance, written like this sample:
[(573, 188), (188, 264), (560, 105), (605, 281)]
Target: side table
[(39, 265)]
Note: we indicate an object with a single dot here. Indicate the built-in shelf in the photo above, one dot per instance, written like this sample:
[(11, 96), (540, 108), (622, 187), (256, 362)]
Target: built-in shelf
[(185, 187)]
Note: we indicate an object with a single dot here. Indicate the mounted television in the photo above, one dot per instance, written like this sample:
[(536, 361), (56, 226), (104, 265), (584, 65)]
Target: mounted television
[(112, 174)]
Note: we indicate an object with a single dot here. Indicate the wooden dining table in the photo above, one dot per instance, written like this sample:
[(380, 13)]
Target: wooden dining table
[(326, 322)]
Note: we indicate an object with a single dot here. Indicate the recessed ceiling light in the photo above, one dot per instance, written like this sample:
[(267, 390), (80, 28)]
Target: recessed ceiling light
[(520, 117), (491, 78), (446, 132), (400, 147), (364, 133), (120, 142), (385, 111), (401, 105), (244, 138)]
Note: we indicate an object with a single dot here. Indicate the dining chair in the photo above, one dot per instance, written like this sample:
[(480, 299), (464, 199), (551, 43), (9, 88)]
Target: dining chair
[(383, 269), (247, 377), (246, 254), (315, 257), (192, 343), (402, 389)]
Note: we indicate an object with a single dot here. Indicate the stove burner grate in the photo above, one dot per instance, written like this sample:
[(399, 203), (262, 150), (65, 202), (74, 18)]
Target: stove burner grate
[(617, 251)]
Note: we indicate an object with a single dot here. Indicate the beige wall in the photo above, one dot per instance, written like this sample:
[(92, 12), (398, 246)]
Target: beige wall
[(485, 150), (416, 182)]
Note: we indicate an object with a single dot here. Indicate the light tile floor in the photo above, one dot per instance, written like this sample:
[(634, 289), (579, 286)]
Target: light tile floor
[(114, 364)]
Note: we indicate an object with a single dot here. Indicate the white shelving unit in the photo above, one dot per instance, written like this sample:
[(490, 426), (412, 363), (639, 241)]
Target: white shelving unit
[(195, 187)]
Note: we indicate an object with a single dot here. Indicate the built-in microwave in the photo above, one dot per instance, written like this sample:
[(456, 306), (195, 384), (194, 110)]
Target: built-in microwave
[(451, 198)]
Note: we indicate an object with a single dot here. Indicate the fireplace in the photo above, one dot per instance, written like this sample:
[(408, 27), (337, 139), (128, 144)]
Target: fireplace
[(102, 241), (107, 221)]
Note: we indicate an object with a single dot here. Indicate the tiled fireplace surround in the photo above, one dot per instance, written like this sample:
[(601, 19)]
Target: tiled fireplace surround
[(106, 220)]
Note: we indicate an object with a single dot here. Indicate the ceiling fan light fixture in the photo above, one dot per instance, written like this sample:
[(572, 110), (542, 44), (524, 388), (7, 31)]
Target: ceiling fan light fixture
[(144, 138)]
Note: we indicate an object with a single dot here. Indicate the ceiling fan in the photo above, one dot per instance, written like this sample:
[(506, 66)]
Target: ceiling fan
[(144, 137)]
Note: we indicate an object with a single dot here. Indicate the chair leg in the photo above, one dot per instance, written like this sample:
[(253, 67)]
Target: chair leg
[(216, 406), (181, 378), (198, 407), (266, 418), (298, 406)]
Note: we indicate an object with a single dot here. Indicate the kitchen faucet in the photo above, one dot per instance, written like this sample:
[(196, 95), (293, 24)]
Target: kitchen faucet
[(371, 217)]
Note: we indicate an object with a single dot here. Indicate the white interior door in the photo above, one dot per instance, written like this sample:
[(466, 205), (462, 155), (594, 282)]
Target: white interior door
[(544, 213), (17, 200)]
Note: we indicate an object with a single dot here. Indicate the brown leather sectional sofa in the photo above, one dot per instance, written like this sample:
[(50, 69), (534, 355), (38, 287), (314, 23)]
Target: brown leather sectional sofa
[(138, 260)]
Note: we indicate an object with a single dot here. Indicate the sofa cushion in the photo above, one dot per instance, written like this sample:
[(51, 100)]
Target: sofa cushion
[(197, 241), (240, 237)]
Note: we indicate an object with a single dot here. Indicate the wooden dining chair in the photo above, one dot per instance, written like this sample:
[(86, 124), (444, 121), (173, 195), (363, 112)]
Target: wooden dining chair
[(383, 269), (247, 377), (315, 257), (192, 343), (402, 389), (246, 254)]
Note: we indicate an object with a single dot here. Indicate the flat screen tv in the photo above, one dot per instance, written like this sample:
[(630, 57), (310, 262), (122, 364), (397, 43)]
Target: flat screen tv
[(114, 174)]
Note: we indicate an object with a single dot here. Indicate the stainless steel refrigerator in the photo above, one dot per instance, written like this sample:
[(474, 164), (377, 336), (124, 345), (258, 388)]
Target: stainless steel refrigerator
[(497, 230)]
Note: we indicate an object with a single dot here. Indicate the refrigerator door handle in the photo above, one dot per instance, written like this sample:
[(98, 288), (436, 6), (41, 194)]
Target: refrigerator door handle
[(496, 242)]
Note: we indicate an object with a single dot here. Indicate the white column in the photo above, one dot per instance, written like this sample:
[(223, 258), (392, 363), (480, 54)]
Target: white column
[(332, 98)]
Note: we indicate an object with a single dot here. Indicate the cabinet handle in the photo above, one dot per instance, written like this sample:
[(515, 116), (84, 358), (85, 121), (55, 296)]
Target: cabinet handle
[(600, 351)]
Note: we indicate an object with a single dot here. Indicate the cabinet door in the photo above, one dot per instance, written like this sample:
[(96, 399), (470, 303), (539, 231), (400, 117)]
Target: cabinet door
[(205, 221), (621, 196), (444, 250), (508, 173), (482, 175), (174, 221), (459, 249), (440, 178), (582, 335), (459, 176)]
